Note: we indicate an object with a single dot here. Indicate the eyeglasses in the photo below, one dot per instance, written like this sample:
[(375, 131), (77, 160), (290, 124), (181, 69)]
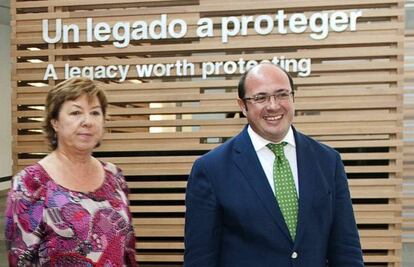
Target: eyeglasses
[(265, 98)]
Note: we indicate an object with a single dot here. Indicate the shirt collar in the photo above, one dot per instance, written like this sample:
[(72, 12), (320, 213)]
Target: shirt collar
[(260, 142)]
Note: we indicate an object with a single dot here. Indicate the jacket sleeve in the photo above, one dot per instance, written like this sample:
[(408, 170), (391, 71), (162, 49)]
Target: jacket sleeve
[(203, 220), (344, 248)]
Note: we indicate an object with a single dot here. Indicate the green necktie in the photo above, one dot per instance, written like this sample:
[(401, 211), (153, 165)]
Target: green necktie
[(285, 189)]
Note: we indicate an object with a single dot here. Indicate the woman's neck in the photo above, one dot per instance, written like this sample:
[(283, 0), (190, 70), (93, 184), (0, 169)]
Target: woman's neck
[(77, 159)]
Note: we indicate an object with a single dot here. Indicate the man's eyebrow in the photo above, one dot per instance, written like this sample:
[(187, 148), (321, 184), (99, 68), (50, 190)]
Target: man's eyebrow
[(277, 91)]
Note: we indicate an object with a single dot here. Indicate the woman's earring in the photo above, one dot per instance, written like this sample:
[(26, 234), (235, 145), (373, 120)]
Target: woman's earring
[(54, 139)]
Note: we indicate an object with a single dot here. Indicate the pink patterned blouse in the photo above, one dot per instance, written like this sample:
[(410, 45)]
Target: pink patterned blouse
[(49, 225)]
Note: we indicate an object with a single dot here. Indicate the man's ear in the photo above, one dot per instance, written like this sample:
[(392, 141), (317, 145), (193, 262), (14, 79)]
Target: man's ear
[(242, 106)]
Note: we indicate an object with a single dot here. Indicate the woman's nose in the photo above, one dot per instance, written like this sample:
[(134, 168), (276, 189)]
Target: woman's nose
[(86, 120)]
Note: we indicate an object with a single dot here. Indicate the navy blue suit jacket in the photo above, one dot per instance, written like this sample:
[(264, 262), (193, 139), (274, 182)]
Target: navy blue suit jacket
[(233, 219)]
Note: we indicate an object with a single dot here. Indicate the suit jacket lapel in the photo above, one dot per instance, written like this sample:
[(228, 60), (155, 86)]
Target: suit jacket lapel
[(246, 159), (307, 172)]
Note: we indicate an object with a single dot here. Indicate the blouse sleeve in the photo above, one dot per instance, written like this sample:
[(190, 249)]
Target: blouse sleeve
[(24, 215), (130, 238)]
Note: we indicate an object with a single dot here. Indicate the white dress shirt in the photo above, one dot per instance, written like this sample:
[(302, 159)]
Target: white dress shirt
[(267, 157)]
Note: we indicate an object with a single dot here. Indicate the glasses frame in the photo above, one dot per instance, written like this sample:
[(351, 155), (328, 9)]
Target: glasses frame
[(277, 96)]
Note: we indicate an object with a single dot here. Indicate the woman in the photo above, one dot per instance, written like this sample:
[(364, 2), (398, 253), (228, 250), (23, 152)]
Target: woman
[(70, 209)]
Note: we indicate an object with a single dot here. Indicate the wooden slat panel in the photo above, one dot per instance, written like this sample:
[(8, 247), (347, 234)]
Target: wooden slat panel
[(158, 126)]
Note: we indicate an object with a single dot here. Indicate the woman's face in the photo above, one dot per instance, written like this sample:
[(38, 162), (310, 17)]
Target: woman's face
[(79, 124)]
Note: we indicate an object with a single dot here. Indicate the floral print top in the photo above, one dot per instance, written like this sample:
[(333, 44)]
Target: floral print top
[(49, 225)]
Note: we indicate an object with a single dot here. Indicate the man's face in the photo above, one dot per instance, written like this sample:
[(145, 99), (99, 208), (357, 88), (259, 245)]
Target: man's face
[(270, 119)]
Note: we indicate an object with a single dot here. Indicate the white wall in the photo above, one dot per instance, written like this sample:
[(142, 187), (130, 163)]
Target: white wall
[(5, 91)]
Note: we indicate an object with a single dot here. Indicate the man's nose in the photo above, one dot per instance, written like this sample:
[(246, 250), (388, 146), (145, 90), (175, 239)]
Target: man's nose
[(273, 101)]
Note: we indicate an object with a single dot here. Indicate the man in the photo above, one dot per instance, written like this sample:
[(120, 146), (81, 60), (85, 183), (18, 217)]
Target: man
[(251, 204)]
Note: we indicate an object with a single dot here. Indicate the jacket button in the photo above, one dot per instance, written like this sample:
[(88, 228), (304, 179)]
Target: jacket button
[(294, 255)]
